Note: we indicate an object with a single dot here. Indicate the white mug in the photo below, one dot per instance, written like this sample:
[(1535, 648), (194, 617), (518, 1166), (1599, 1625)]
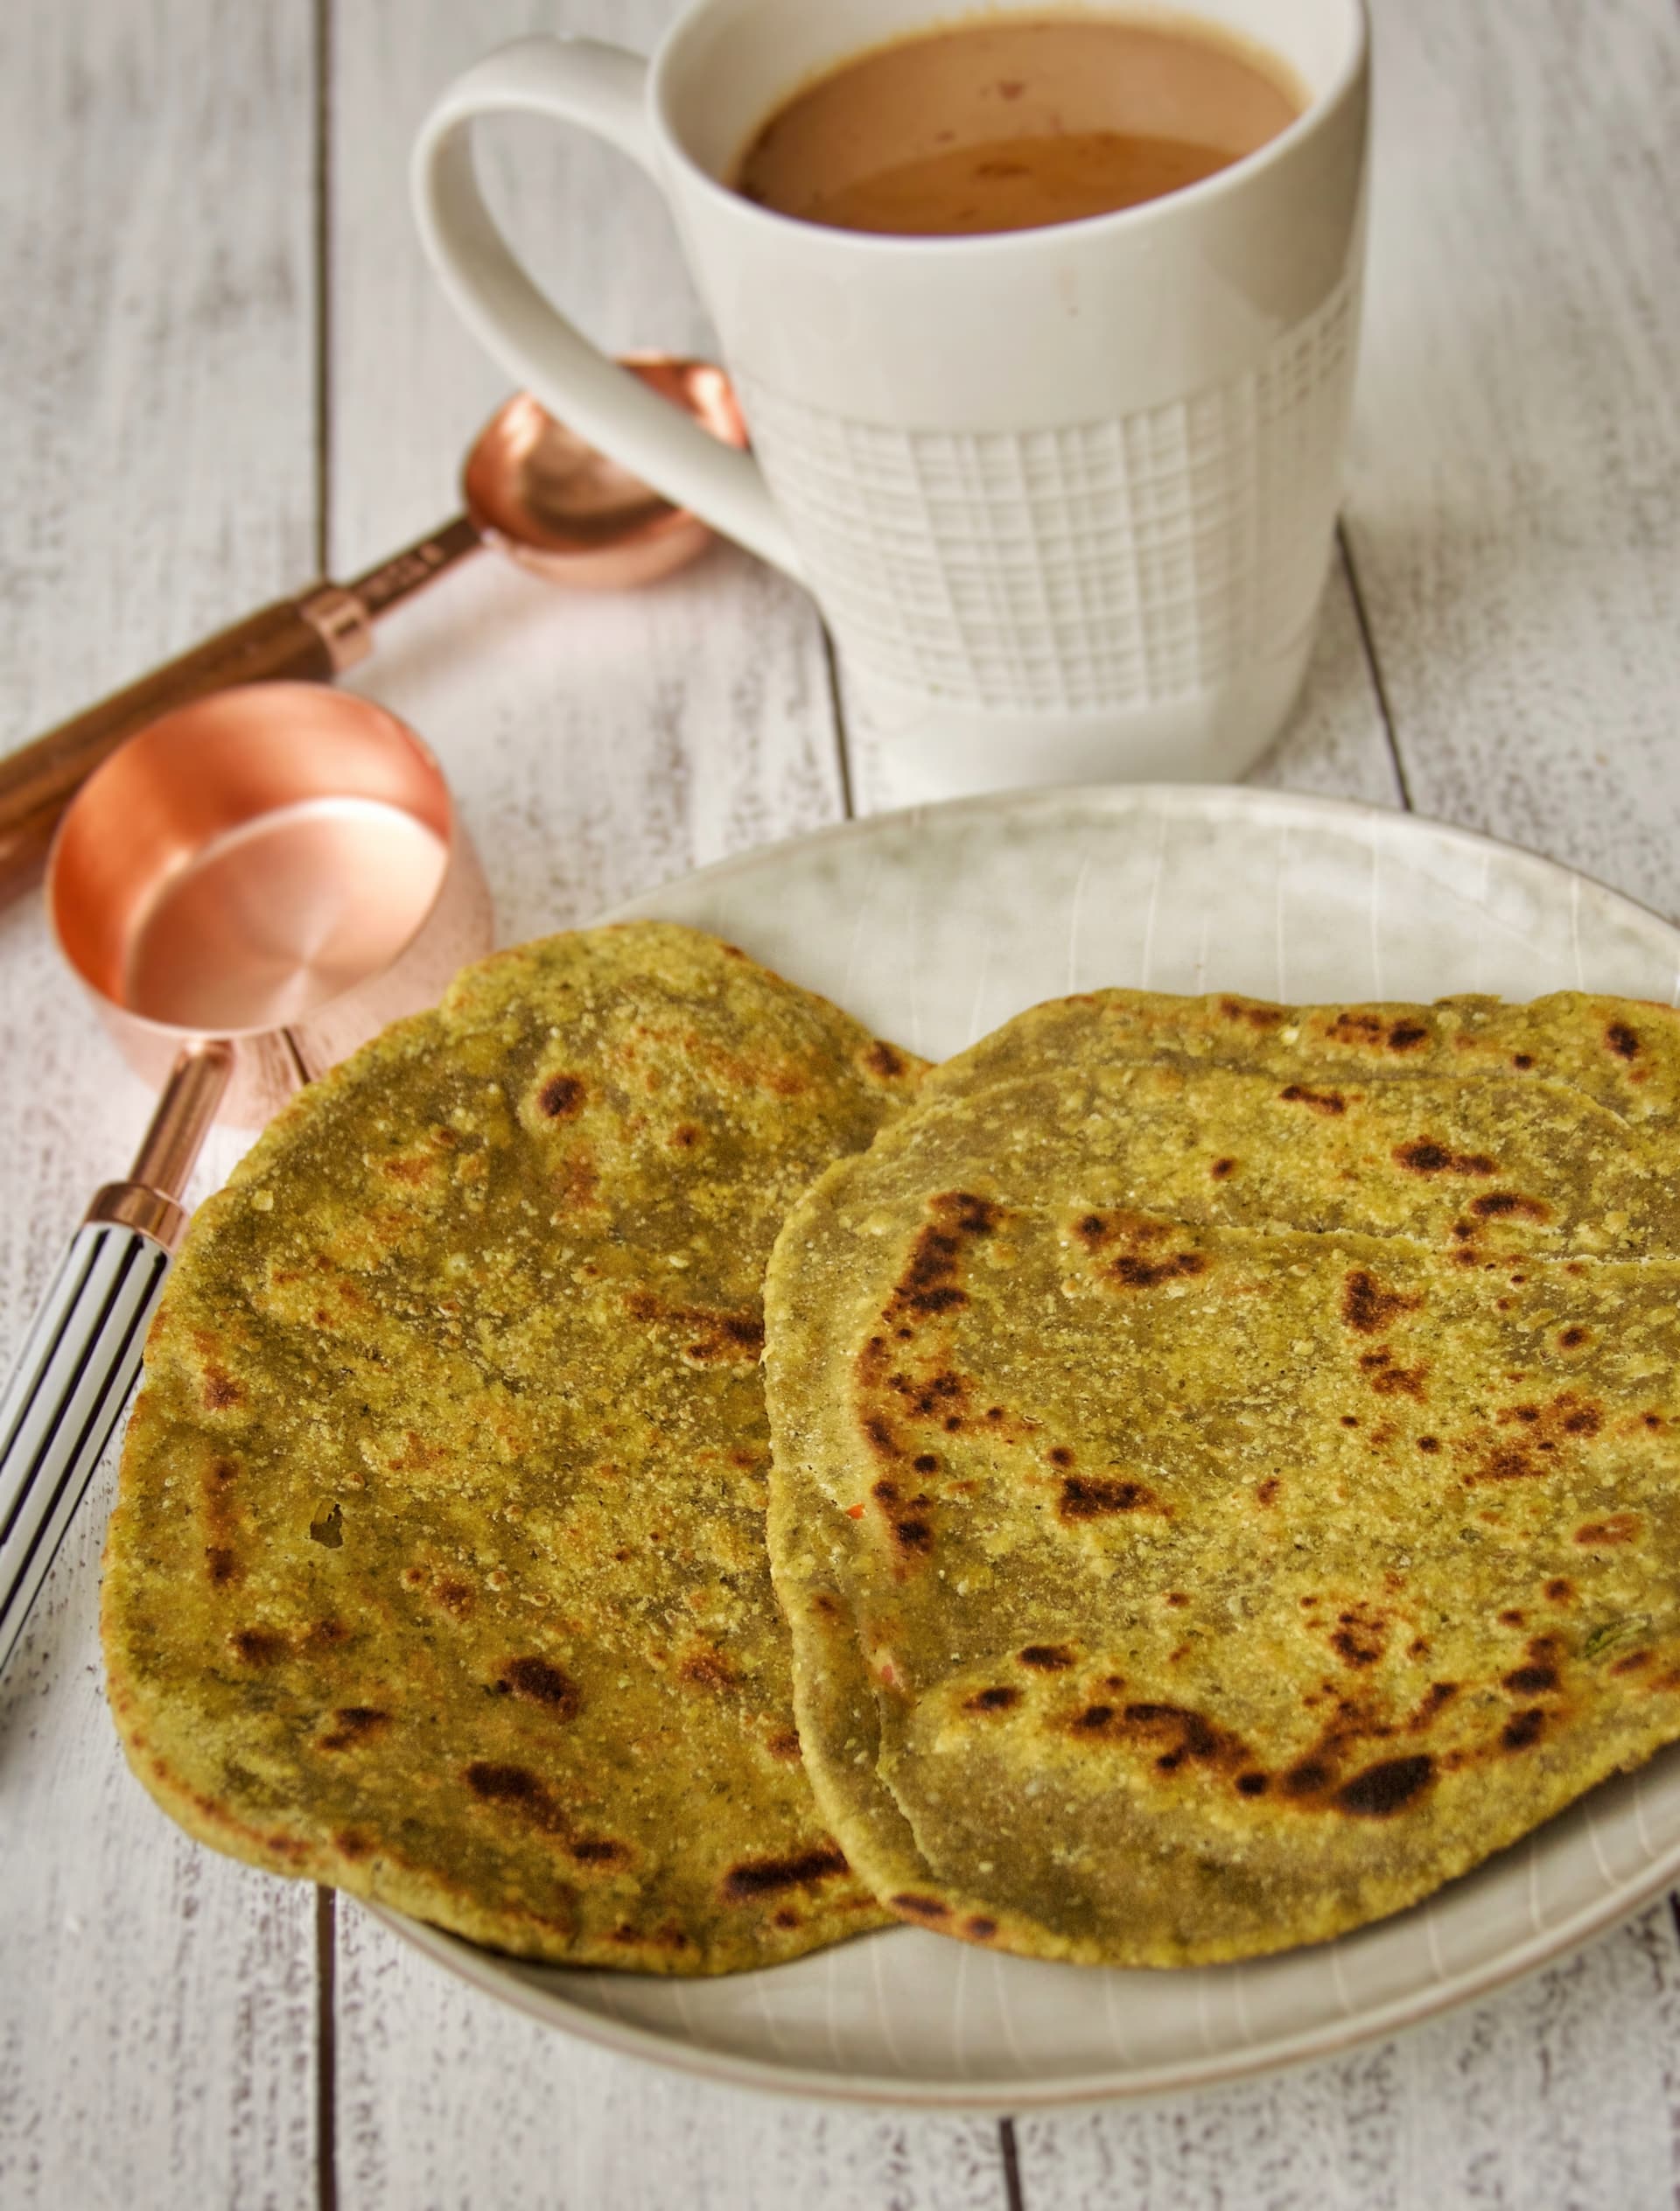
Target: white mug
[(1065, 496)]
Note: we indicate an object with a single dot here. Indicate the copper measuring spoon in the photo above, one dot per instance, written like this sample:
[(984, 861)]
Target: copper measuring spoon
[(248, 890), (532, 488)]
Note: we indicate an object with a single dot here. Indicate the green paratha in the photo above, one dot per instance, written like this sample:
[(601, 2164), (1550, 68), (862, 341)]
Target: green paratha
[(437, 1568), (1622, 1053), (1186, 1560)]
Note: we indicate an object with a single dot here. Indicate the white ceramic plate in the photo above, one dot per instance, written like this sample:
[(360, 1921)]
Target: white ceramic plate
[(932, 926)]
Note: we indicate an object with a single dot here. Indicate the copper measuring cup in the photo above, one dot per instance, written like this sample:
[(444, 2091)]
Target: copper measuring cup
[(532, 488), (249, 889)]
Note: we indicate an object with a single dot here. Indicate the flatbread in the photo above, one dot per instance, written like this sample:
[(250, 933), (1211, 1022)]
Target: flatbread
[(438, 1569), (1184, 1565), (1622, 1053), (1475, 1167)]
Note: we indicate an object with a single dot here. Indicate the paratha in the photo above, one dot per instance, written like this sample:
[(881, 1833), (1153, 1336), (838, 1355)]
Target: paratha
[(1473, 1167), (437, 1568), (1622, 1053), (1186, 1561)]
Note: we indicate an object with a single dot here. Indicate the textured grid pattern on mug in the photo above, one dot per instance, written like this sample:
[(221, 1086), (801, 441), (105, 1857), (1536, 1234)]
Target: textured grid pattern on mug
[(1110, 563)]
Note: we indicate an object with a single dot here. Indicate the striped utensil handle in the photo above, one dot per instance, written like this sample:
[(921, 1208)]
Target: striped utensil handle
[(64, 1398)]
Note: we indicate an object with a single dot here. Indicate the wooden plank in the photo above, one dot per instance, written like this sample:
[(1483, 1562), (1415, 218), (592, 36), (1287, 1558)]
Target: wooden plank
[(448, 2098), (1515, 508), (1554, 2095), (158, 430), (1334, 742), (409, 387), (598, 744), (157, 2011)]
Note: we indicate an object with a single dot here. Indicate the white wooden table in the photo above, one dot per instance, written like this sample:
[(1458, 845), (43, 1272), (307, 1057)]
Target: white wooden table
[(223, 370)]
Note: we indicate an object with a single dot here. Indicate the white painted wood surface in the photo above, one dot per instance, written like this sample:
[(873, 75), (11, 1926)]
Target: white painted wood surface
[(1515, 489), (157, 2008), (1514, 526)]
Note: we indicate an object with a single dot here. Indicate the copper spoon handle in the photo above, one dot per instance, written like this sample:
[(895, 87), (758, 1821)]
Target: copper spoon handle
[(80, 1359), (314, 637)]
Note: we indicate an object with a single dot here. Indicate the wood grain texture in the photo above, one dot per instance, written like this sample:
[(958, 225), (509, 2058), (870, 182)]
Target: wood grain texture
[(1334, 742), (410, 387), (1554, 2096), (157, 424), (156, 2005), (600, 742), (1515, 508), (449, 2099)]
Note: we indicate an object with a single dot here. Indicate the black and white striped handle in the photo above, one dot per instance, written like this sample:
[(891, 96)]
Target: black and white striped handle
[(64, 1398)]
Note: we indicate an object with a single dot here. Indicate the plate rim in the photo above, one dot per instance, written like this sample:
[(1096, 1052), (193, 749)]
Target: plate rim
[(479, 1968), (1122, 797), (486, 1971)]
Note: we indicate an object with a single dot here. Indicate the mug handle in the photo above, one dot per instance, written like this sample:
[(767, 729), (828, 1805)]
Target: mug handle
[(604, 89)]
